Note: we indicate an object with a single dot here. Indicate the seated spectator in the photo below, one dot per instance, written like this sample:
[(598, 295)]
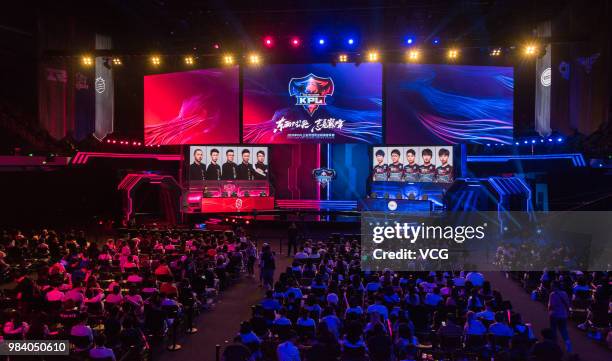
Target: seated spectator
[(488, 314), (433, 299), (287, 350), (547, 349), (115, 297), (14, 328), (473, 326), (379, 344), (500, 326), (476, 278), (100, 351), (82, 331)]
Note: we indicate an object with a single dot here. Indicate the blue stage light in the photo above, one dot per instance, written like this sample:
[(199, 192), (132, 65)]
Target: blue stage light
[(436, 41), (525, 142), (409, 40), (351, 41), (541, 140), (550, 139), (321, 41), (488, 145), (559, 140), (533, 141), (516, 143)]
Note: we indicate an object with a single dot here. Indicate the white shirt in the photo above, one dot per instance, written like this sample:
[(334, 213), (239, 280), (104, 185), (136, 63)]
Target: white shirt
[(287, 351)]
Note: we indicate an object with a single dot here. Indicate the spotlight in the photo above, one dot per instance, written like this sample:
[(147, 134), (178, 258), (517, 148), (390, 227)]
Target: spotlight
[(321, 41), (350, 41), (228, 59), (295, 41), (409, 40), (413, 55), (108, 141), (559, 140), (114, 142), (533, 141), (549, 139), (189, 60), (87, 60), (436, 41), (495, 52), (254, 59), (530, 50), (525, 142), (342, 58), (269, 41), (373, 56), (516, 143), (216, 46), (453, 54), (117, 61), (155, 60)]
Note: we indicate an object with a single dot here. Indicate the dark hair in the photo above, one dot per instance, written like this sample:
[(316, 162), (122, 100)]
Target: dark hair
[(443, 151), (197, 150), (427, 151), (229, 150), (380, 152), (261, 152), (395, 151), (411, 151), (246, 151), (214, 150), (100, 339)]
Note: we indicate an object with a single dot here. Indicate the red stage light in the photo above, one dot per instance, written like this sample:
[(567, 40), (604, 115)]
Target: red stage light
[(269, 41), (134, 143), (247, 222), (108, 141), (216, 46), (114, 141), (295, 42)]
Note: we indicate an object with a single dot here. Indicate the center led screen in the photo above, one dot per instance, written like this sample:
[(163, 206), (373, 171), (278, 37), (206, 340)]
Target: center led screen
[(315, 103)]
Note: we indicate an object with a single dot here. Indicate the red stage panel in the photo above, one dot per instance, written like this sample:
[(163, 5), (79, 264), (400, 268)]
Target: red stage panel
[(237, 204)]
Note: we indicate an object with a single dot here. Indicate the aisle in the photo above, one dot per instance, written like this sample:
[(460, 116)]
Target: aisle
[(537, 315), (223, 321)]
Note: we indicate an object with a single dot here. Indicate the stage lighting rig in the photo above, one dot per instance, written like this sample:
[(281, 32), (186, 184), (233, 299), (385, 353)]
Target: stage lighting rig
[(372, 56), (155, 60), (413, 55), (496, 52), (254, 59), (453, 54), (117, 61), (189, 60), (87, 60), (269, 41), (228, 59), (342, 58), (295, 42)]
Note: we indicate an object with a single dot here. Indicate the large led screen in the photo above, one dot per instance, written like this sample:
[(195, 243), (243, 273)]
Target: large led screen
[(192, 107), (320, 103), (448, 104)]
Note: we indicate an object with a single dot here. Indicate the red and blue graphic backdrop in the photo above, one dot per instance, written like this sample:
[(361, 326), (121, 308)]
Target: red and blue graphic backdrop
[(312, 103), (449, 104), (192, 107)]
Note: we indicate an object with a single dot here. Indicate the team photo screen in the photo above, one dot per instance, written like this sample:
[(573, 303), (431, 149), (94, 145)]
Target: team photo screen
[(317, 103), (227, 162), (192, 107), (413, 164)]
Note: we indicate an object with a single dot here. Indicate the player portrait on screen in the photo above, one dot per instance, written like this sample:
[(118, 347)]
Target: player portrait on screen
[(228, 171), (380, 172), (427, 170), (213, 171), (261, 168), (396, 169), (245, 171), (197, 169), (411, 168), (444, 172)]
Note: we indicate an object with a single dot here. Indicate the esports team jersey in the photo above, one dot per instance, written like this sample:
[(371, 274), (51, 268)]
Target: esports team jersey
[(197, 172), (411, 172), (380, 172), (427, 172), (213, 172), (261, 171), (244, 171), (444, 173), (228, 171), (396, 172)]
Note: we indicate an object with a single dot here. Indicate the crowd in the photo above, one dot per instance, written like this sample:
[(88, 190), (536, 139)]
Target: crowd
[(116, 298), (584, 297), (323, 307)]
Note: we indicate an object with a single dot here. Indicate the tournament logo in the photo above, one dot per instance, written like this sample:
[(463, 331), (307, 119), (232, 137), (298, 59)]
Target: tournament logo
[(323, 175), (310, 91)]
